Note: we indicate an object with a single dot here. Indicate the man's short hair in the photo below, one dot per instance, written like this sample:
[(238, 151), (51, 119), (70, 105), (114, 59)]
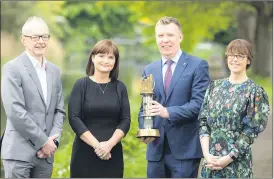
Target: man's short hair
[(168, 20)]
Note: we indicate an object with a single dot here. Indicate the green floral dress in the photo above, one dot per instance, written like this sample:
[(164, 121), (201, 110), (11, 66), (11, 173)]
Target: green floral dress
[(232, 115)]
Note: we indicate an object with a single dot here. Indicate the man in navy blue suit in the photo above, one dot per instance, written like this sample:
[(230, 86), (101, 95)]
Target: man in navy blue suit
[(180, 84)]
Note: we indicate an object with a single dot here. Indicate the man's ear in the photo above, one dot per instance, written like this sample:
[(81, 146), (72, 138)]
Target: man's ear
[(181, 37), (23, 40)]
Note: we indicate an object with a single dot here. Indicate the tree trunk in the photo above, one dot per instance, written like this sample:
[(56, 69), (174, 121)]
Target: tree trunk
[(263, 45), (256, 27), (246, 25)]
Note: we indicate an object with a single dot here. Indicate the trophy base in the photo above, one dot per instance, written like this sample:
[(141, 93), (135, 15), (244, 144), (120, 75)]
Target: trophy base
[(148, 133)]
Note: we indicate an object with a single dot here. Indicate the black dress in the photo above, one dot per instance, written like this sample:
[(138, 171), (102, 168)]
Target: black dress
[(101, 114)]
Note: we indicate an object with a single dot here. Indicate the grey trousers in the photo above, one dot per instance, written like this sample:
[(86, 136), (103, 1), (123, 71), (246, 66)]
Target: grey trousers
[(38, 168)]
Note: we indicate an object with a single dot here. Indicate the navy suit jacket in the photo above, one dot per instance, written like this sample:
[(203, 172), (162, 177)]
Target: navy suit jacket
[(185, 96)]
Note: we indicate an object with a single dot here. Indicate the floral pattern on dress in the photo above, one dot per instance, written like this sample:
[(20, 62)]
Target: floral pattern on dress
[(233, 115)]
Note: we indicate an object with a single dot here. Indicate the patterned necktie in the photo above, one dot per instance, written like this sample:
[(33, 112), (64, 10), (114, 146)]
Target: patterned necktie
[(168, 75)]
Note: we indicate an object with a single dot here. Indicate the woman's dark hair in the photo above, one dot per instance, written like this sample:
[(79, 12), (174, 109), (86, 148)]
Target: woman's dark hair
[(105, 47)]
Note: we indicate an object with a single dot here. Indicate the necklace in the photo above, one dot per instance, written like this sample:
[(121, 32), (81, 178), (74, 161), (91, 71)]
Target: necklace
[(102, 89)]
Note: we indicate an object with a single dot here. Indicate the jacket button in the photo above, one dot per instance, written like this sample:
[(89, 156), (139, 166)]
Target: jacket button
[(45, 130)]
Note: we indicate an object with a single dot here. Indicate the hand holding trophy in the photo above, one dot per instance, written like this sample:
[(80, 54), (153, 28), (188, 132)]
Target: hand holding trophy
[(147, 134)]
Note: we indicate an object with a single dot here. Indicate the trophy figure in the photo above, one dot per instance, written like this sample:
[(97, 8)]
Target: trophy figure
[(147, 86)]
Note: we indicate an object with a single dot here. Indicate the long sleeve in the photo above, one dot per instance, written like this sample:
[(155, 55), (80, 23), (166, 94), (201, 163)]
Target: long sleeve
[(203, 115), (75, 108), (124, 123), (190, 110), (254, 122), (59, 114), (14, 103)]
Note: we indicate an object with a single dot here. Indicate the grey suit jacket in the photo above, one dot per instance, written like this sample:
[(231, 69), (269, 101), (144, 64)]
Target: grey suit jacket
[(29, 119)]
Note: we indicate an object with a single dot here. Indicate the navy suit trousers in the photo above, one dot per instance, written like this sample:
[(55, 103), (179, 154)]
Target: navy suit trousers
[(170, 167)]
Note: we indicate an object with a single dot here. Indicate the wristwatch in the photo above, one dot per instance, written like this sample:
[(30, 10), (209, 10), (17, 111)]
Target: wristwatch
[(232, 156), (56, 143)]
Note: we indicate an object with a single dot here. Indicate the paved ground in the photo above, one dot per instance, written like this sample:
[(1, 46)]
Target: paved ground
[(263, 153)]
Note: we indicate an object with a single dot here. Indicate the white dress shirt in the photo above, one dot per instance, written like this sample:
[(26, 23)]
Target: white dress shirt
[(175, 60), (41, 73)]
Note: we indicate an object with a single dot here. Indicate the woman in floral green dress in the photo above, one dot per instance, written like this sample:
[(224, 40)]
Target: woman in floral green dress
[(235, 110)]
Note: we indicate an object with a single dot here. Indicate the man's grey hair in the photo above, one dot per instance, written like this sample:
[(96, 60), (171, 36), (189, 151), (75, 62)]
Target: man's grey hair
[(26, 27), (168, 20)]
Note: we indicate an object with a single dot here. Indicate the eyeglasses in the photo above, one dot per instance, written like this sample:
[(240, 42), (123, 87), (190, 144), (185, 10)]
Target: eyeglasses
[(238, 57), (36, 38)]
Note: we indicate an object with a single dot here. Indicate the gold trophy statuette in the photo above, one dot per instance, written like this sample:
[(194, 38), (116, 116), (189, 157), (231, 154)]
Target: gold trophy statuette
[(147, 86)]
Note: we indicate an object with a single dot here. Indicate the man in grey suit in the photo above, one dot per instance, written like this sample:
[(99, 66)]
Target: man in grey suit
[(31, 92)]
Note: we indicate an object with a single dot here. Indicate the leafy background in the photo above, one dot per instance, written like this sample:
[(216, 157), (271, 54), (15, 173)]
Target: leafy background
[(76, 26)]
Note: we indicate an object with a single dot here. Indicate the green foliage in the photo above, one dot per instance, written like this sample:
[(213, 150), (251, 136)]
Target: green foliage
[(61, 165), (49, 11), (68, 80), (63, 154), (13, 15), (225, 36), (94, 21), (79, 25), (18, 12), (206, 53), (134, 151), (199, 20), (85, 23)]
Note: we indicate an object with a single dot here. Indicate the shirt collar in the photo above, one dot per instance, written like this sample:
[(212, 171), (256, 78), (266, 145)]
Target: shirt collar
[(175, 58), (35, 62)]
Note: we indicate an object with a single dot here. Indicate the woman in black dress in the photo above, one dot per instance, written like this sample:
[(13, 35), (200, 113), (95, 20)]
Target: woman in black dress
[(99, 114)]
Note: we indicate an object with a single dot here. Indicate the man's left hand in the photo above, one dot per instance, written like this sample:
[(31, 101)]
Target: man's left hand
[(156, 109), (41, 154)]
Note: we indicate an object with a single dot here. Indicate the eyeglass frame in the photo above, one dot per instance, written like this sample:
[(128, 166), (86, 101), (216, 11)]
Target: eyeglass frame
[(238, 56), (39, 36)]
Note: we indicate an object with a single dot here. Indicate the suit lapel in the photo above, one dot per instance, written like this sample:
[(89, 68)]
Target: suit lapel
[(180, 67), (159, 78), (49, 84), (31, 70)]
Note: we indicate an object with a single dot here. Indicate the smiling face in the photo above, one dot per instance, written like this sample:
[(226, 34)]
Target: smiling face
[(239, 55), (104, 58), (34, 44), (237, 63), (103, 62), (168, 39)]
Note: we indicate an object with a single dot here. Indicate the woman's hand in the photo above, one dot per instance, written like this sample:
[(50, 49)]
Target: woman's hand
[(107, 157), (218, 163), (224, 161), (103, 150), (211, 159)]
